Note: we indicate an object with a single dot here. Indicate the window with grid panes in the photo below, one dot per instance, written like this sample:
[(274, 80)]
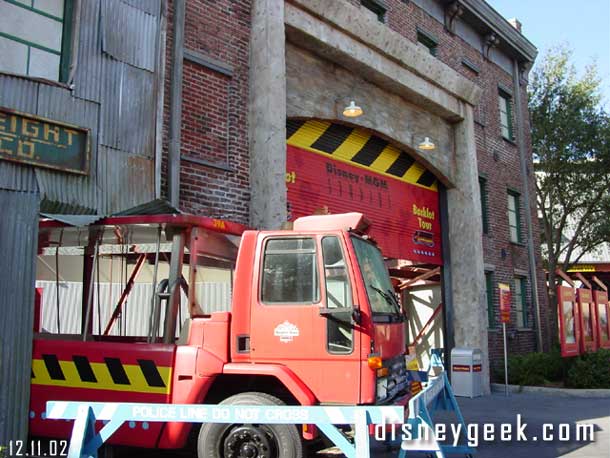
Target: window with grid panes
[(491, 318), (514, 220), (35, 38), (425, 40), (506, 115), (520, 302), (376, 7), (484, 216)]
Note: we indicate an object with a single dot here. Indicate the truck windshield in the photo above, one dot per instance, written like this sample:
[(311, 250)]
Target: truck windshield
[(375, 275)]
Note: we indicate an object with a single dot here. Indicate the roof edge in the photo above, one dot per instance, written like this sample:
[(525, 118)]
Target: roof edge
[(489, 17)]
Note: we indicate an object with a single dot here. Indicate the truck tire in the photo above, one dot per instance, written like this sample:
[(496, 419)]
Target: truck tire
[(217, 440)]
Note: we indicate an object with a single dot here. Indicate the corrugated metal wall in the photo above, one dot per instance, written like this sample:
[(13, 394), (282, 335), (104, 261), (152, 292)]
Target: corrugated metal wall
[(114, 93), (20, 95), (88, 72), (136, 45), (18, 233)]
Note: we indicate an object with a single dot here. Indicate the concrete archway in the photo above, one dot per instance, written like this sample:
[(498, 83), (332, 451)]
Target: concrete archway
[(314, 68), (318, 89)]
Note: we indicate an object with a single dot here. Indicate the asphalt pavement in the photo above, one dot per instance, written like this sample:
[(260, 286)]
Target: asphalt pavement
[(544, 416)]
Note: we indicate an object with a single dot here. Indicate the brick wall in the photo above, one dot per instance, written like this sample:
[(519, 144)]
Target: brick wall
[(215, 131), (498, 162), (215, 181)]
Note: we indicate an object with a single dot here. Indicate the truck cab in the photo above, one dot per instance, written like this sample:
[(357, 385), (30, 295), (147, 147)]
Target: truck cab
[(312, 320)]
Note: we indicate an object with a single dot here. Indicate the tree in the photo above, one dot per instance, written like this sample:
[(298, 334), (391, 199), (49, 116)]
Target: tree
[(571, 147)]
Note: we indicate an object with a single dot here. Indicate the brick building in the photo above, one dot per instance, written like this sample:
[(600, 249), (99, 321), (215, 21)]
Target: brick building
[(235, 109), (257, 71), (214, 135)]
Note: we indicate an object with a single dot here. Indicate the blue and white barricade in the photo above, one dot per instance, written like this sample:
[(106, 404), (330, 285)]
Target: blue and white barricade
[(85, 441), (417, 376), (436, 395)]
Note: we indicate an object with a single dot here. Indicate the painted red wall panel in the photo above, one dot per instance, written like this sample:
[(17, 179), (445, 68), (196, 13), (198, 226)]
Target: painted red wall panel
[(588, 325), (568, 319), (405, 217), (602, 313)]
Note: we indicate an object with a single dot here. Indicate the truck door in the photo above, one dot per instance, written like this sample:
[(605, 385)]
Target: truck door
[(301, 314)]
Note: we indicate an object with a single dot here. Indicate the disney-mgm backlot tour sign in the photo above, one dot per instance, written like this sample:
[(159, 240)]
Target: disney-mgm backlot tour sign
[(42, 142)]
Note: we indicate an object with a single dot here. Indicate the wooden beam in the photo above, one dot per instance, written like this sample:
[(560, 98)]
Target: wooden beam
[(583, 280), (565, 277), (424, 328), (600, 283), (126, 291), (424, 276)]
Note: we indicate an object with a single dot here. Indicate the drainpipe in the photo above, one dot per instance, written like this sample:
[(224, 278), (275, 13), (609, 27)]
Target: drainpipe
[(446, 281), (175, 107), (526, 195), (160, 74)]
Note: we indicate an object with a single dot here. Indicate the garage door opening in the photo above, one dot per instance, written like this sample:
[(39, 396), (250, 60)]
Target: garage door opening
[(337, 168)]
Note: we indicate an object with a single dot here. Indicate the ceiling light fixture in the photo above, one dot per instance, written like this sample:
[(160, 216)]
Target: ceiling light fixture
[(352, 110), (426, 145)]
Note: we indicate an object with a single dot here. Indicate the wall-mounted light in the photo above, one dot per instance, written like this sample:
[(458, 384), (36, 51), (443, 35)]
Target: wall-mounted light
[(426, 145), (352, 110)]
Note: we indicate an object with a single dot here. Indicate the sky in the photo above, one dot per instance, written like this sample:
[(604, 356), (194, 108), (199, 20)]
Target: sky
[(583, 25)]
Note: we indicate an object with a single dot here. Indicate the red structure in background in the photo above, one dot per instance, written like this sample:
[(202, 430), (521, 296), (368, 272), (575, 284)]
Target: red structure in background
[(602, 317), (569, 329), (587, 323)]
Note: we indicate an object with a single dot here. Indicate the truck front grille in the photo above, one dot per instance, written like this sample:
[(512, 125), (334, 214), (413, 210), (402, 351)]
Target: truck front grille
[(394, 384)]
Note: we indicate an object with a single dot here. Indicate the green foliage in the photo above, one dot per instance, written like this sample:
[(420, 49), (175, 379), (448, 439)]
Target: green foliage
[(591, 370), (571, 147), (534, 369), (556, 365), (526, 370)]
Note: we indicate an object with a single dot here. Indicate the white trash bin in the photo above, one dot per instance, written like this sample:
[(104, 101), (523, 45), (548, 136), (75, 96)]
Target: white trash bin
[(466, 373)]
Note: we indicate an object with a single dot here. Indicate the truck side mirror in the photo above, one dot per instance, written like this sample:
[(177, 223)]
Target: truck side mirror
[(343, 314), (357, 316)]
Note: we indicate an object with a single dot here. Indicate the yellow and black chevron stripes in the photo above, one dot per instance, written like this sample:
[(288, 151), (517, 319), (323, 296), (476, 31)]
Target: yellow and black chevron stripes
[(145, 377), (359, 148)]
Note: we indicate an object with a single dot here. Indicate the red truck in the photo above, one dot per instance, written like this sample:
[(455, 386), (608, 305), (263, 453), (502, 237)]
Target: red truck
[(313, 321)]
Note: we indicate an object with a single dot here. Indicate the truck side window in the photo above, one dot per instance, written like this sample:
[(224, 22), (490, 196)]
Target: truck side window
[(338, 295), (290, 275)]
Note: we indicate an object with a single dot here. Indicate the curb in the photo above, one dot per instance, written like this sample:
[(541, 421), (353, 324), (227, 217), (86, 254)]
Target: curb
[(561, 392)]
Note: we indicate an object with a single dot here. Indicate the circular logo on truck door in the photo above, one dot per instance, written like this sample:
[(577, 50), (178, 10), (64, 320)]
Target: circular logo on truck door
[(286, 331)]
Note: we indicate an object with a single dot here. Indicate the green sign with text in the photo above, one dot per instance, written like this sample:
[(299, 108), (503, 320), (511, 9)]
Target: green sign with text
[(44, 143)]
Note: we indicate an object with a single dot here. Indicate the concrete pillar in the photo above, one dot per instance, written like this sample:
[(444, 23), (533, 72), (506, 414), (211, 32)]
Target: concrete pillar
[(267, 116), (469, 324)]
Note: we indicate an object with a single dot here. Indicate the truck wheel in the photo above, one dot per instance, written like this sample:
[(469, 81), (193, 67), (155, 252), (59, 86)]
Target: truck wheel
[(218, 440)]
